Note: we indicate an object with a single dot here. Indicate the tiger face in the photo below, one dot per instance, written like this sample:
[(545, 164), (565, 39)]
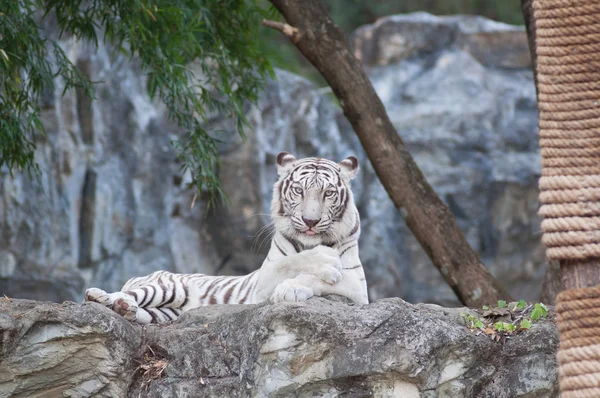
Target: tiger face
[(312, 200)]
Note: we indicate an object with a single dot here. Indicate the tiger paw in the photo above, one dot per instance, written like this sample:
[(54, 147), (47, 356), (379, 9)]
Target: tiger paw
[(325, 263), (127, 307), (98, 296), (290, 291), (328, 274)]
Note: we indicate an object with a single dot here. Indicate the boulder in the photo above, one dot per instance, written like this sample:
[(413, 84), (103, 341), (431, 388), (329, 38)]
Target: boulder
[(316, 348), (111, 203)]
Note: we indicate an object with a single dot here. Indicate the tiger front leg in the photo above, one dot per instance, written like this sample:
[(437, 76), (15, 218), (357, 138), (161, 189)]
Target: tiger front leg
[(305, 286), (321, 262), (300, 288)]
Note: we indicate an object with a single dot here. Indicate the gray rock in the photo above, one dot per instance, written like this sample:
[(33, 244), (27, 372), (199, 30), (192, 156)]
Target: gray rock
[(112, 205), (316, 348)]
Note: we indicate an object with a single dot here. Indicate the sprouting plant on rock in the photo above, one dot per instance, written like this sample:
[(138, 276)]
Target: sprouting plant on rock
[(506, 319)]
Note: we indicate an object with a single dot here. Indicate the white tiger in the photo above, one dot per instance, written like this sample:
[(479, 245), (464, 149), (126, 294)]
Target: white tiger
[(314, 251)]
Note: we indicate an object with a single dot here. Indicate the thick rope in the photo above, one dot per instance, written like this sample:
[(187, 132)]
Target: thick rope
[(568, 77), (578, 319)]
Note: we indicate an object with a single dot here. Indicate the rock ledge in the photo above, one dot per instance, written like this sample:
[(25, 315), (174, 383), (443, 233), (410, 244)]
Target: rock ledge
[(319, 348)]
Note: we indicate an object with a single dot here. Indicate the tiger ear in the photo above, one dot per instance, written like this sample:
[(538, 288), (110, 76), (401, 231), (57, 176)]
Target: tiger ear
[(284, 162), (349, 167)]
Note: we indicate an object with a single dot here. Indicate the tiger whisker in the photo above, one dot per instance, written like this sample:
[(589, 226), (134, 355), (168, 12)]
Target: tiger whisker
[(269, 229)]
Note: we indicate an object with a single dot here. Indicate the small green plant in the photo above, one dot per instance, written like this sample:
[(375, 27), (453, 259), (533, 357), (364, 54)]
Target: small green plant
[(472, 321), (525, 324), (539, 311), (505, 320)]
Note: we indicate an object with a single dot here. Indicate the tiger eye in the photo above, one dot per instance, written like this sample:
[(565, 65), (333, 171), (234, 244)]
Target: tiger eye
[(298, 190)]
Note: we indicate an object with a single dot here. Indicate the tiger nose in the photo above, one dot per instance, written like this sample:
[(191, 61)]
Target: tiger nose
[(310, 223)]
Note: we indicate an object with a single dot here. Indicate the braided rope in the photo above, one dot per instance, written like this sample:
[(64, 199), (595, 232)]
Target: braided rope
[(568, 77), (574, 171), (573, 238), (569, 143), (569, 182), (569, 196), (578, 319), (569, 162)]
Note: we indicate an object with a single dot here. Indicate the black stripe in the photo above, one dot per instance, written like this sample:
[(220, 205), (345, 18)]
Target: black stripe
[(146, 295), (217, 288), (345, 204), (153, 316), (355, 267), (169, 312), (251, 289), (297, 245), (280, 249), (281, 212), (211, 283), (186, 293), (243, 300), (163, 288), (208, 293), (227, 294), (229, 281), (348, 248), (174, 313), (174, 285), (134, 294), (153, 294), (164, 313), (355, 227)]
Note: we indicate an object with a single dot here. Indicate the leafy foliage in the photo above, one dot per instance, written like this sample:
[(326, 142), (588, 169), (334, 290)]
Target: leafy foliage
[(166, 35), (28, 63)]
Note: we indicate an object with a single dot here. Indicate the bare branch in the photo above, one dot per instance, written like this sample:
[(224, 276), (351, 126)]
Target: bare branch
[(288, 30)]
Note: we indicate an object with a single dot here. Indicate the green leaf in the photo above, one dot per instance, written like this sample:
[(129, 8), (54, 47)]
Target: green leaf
[(509, 327), (486, 307), (499, 326), (539, 311), (501, 304), (525, 324), (521, 304), (479, 324)]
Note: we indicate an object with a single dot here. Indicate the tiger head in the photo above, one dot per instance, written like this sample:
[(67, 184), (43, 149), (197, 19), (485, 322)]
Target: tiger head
[(312, 201)]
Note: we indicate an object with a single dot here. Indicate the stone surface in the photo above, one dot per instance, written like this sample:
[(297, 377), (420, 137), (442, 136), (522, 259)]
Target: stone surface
[(317, 348), (112, 205)]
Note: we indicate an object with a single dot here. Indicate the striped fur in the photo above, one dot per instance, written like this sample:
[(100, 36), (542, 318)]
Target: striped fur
[(314, 251)]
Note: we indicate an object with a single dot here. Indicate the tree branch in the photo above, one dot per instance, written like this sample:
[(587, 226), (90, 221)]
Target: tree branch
[(289, 31), (326, 47)]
